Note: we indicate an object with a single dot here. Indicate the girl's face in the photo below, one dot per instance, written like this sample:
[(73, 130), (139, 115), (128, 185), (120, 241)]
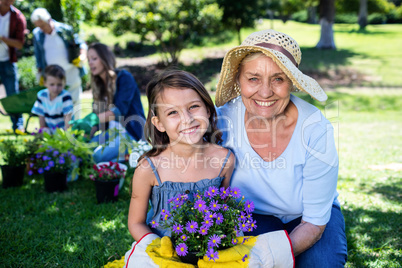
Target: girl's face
[(182, 114), (55, 85), (94, 61), (265, 88)]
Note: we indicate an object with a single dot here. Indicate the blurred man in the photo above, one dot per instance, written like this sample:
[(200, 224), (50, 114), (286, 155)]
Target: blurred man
[(12, 29), (56, 43)]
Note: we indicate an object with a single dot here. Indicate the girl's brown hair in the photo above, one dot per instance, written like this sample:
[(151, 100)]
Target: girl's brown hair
[(172, 78), (103, 92)]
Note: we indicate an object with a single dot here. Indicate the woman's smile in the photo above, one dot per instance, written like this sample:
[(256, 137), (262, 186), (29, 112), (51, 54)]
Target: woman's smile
[(265, 103)]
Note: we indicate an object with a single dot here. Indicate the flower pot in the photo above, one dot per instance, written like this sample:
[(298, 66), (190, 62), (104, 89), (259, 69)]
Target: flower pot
[(55, 181), (107, 191), (190, 258), (13, 176)]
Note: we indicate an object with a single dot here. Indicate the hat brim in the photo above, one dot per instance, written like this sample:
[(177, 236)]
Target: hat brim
[(225, 88)]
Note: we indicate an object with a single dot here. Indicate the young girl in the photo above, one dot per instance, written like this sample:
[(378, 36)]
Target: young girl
[(54, 104), (185, 156)]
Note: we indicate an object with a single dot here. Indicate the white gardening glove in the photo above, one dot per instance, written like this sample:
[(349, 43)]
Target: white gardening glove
[(136, 256)]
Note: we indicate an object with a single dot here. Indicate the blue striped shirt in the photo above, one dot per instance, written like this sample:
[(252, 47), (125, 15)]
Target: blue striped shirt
[(53, 110)]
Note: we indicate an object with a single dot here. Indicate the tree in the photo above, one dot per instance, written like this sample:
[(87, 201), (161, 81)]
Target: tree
[(241, 13), (362, 20), (169, 24), (327, 16)]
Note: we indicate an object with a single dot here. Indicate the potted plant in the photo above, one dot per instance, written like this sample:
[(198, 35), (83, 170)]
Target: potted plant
[(75, 143), (55, 165), (13, 154), (202, 223), (108, 176)]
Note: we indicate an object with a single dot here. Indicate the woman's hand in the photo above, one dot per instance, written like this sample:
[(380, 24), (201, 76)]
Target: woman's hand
[(305, 235)]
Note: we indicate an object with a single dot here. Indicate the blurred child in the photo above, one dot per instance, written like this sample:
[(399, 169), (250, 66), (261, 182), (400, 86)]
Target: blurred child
[(54, 104)]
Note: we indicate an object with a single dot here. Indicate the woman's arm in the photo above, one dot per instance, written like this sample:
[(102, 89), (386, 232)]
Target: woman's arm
[(106, 117), (141, 191), (304, 236), (12, 42)]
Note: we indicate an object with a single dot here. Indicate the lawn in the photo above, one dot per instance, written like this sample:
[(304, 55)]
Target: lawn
[(69, 229)]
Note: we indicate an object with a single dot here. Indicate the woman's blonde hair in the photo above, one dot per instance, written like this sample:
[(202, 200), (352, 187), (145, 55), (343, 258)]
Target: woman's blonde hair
[(103, 92)]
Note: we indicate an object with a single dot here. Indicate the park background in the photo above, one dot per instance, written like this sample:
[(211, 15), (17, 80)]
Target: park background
[(361, 71)]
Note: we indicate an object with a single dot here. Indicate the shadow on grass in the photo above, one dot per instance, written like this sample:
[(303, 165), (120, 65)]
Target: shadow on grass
[(373, 237), (62, 229)]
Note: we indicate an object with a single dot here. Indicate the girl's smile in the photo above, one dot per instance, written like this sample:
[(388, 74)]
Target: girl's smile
[(182, 114)]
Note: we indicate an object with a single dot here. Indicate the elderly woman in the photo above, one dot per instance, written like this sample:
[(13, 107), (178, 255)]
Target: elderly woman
[(287, 162)]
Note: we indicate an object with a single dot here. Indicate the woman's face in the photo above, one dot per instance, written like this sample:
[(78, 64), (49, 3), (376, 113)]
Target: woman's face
[(94, 61), (265, 88)]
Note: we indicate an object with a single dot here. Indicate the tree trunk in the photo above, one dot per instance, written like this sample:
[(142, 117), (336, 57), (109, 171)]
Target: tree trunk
[(363, 14), (327, 15)]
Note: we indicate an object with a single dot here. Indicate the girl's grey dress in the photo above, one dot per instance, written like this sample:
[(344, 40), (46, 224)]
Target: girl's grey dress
[(168, 189)]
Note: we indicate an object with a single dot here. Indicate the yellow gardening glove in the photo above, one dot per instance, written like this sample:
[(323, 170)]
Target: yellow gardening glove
[(42, 80), (162, 252), (77, 62), (234, 257), (151, 251), (268, 250)]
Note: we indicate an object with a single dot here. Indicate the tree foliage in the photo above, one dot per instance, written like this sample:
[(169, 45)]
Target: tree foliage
[(169, 24), (241, 13)]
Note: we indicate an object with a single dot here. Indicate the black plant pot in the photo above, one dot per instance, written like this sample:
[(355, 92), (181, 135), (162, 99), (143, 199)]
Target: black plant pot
[(107, 191), (13, 176), (190, 258), (55, 181)]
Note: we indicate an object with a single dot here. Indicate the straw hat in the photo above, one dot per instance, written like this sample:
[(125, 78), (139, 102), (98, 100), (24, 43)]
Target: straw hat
[(283, 50)]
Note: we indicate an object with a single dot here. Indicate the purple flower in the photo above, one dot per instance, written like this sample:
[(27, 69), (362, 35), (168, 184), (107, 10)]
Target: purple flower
[(249, 206), (55, 153), (154, 224), (47, 168), (38, 155), (51, 163), (224, 192), (235, 241), (242, 216), (244, 226), (211, 254), (178, 228), (40, 170), (61, 160), (203, 230), (192, 226), (73, 158), (214, 206), (209, 215), (235, 192), (200, 205), (244, 258), (31, 165), (219, 218), (183, 237), (197, 196), (213, 190), (207, 222), (225, 207), (181, 249), (30, 172), (214, 241), (253, 225)]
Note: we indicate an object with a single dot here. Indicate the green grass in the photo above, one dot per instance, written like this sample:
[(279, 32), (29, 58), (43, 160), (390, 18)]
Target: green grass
[(71, 230)]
